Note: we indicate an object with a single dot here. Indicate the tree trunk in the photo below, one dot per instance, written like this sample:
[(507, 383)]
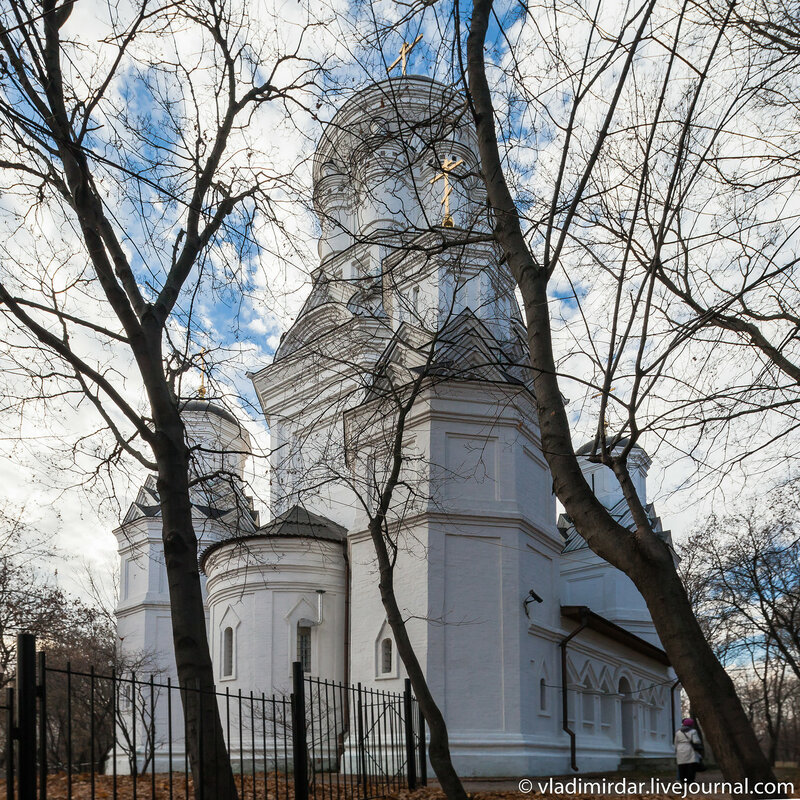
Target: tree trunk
[(640, 554), (208, 755), (439, 745)]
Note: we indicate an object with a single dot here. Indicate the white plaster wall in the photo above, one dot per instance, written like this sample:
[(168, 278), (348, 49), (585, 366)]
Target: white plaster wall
[(368, 617), (304, 398), (588, 580), (144, 624), (431, 291), (595, 667), (144, 594), (483, 542), (465, 567)]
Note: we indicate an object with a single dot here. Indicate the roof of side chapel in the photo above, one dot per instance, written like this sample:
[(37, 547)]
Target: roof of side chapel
[(230, 505), (621, 514), (295, 523)]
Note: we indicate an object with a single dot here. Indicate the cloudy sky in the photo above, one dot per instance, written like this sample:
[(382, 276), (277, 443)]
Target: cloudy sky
[(258, 271)]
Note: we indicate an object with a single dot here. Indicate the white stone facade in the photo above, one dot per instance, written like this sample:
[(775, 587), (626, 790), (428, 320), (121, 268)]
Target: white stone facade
[(490, 585)]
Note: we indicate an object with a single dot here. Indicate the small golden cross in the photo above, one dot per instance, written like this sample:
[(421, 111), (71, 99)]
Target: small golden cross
[(201, 392), (404, 52), (448, 165)]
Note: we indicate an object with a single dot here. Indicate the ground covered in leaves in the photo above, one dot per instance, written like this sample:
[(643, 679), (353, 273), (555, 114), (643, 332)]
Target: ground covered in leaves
[(279, 787)]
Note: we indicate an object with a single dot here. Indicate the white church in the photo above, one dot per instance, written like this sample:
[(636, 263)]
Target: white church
[(410, 351)]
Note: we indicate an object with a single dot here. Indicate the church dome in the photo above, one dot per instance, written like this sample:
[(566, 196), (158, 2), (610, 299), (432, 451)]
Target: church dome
[(219, 443), (205, 407), (376, 165), (590, 446), (411, 111)]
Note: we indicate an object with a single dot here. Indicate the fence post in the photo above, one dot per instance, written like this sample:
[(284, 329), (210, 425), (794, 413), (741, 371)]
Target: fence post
[(299, 752), (408, 720), (10, 745), (42, 692), (362, 750), (26, 715), (423, 755)]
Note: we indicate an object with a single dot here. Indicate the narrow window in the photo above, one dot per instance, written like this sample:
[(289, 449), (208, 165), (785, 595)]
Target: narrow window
[(542, 695), (415, 300), (372, 487), (304, 647), (587, 701), (386, 656), (227, 652), (606, 709), (653, 720)]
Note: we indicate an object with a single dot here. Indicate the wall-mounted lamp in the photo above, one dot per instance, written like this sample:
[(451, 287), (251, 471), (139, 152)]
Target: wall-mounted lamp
[(532, 596)]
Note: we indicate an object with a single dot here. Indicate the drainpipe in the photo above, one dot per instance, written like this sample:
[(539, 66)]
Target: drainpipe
[(564, 707), (346, 618), (672, 703), (346, 709)]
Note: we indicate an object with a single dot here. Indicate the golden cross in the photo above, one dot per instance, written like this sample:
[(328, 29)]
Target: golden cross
[(448, 165), (201, 392), (600, 394), (404, 51)]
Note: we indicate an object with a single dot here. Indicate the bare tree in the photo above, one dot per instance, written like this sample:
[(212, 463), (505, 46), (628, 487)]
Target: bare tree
[(741, 574), (750, 563), (30, 598), (131, 163), (771, 700), (401, 313), (536, 248), (774, 26), (77, 636)]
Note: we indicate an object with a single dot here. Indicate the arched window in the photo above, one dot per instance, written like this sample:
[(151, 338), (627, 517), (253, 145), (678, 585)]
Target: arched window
[(227, 652), (542, 695), (304, 646), (386, 656)]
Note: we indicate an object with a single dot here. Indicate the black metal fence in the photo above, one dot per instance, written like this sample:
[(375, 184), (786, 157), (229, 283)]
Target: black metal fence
[(68, 733)]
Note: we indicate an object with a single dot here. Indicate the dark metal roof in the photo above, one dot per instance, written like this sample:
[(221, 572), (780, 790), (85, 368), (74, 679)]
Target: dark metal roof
[(588, 448), (611, 630), (620, 513), (217, 499), (299, 522), (209, 408), (296, 523)]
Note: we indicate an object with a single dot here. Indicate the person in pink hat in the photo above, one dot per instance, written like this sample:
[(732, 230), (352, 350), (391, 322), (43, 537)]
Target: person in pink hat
[(688, 750)]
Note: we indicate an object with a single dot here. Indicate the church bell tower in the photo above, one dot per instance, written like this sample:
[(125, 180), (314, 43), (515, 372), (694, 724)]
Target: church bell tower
[(409, 292)]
